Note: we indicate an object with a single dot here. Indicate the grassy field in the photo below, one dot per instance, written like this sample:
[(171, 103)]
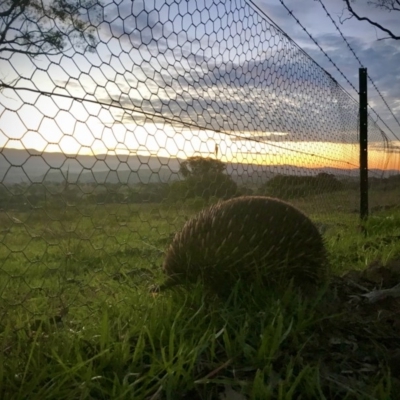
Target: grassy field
[(78, 319)]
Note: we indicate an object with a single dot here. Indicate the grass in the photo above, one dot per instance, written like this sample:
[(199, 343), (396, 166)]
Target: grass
[(78, 321), (146, 345)]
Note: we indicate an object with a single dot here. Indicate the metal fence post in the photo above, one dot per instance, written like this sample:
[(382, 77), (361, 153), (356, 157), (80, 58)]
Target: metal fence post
[(363, 143)]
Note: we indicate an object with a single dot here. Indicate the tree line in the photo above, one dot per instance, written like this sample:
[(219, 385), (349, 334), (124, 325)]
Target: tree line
[(204, 180)]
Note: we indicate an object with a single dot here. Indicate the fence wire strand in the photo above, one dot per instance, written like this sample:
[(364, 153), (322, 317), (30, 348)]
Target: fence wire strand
[(362, 66), (120, 120)]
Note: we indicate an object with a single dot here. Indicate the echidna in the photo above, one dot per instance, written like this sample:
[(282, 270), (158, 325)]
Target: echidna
[(253, 238)]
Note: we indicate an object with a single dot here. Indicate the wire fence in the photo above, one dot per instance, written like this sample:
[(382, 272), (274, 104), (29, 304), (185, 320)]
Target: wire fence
[(149, 112)]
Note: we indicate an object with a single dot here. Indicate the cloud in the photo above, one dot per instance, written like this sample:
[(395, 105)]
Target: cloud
[(149, 27), (243, 77), (381, 57), (382, 60)]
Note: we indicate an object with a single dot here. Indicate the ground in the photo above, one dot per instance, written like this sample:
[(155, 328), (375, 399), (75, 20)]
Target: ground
[(81, 323)]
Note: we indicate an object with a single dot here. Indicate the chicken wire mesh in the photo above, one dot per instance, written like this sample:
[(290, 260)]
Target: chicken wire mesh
[(119, 120)]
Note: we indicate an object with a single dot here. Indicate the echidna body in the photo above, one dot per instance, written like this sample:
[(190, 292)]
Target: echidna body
[(253, 238)]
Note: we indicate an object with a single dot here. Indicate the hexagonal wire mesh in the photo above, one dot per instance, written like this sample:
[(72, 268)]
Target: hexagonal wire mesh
[(101, 125)]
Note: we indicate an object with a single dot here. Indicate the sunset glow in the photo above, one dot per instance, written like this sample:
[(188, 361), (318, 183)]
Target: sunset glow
[(200, 88)]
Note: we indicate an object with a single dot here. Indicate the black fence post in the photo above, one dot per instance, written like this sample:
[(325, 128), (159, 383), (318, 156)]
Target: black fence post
[(363, 144)]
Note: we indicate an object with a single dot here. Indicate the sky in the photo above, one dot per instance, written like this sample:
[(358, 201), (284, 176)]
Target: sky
[(214, 64), (380, 56)]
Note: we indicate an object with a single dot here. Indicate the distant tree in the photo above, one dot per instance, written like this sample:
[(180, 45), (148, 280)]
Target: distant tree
[(178, 191), (328, 181), (394, 178), (287, 186), (211, 185), (199, 166), (46, 27), (291, 186), (388, 5), (204, 177)]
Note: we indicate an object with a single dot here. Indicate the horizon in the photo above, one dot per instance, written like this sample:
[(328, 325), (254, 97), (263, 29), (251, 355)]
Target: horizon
[(101, 156)]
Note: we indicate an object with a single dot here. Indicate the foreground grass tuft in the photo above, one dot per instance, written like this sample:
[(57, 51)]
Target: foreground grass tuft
[(177, 345)]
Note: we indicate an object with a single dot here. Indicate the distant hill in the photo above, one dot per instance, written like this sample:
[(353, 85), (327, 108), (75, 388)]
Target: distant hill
[(123, 176), (18, 166), (30, 165)]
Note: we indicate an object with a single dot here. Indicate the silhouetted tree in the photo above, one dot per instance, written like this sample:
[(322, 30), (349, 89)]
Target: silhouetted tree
[(204, 177), (200, 166), (291, 186), (39, 27), (388, 5)]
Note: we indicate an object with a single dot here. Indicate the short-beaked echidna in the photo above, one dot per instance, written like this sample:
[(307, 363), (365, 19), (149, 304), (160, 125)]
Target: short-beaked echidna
[(255, 239)]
